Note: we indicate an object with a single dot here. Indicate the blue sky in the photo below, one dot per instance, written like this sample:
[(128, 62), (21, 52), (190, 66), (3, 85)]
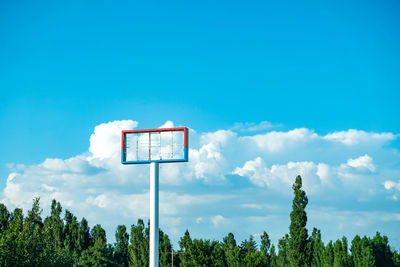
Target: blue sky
[(293, 85)]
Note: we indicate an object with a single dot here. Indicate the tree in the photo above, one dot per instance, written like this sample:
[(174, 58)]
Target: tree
[(340, 253), (121, 246), (71, 237), (327, 256), (100, 254), (84, 238), (273, 257), (232, 253), (345, 253), (367, 253), (317, 248), (264, 249), (138, 250), (249, 254), (53, 236), (32, 238), (165, 248), (362, 252), (11, 247), (200, 253), (298, 241), (396, 259), (218, 258), (4, 218), (283, 251), (185, 244), (382, 252)]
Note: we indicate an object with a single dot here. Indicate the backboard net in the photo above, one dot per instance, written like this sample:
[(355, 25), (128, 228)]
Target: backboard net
[(155, 145)]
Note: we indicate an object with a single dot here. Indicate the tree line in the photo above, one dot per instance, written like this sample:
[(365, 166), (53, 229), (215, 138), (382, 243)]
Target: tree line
[(55, 241)]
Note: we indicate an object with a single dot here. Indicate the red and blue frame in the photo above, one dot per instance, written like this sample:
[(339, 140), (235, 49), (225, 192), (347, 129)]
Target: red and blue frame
[(185, 145)]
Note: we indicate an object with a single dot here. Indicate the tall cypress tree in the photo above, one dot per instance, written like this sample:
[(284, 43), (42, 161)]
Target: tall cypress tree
[(298, 241)]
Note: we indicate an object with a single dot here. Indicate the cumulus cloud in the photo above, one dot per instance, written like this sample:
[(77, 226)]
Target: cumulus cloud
[(351, 164), (317, 176), (105, 142), (280, 177)]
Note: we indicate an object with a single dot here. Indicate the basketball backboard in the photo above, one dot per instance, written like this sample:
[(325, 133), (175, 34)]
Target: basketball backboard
[(155, 145)]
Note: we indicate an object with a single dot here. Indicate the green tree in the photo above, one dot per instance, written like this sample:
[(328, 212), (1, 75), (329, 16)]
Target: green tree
[(345, 253), (328, 256), (84, 238), (100, 254), (362, 252), (200, 253), (382, 252), (53, 236), (273, 258), (185, 244), (264, 249), (138, 250), (339, 258), (165, 249), (32, 238), (4, 218), (11, 246), (396, 259), (218, 258), (283, 251), (249, 254), (71, 238), (232, 253), (121, 246), (298, 241), (317, 248)]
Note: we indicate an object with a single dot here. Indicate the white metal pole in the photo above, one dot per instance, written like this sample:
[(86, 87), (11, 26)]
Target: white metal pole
[(154, 175)]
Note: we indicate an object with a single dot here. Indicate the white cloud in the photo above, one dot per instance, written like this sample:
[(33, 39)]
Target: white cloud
[(279, 177), (209, 161), (278, 141), (392, 186), (362, 162), (317, 177), (217, 220), (105, 142), (167, 124), (354, 137), (347, 167)]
